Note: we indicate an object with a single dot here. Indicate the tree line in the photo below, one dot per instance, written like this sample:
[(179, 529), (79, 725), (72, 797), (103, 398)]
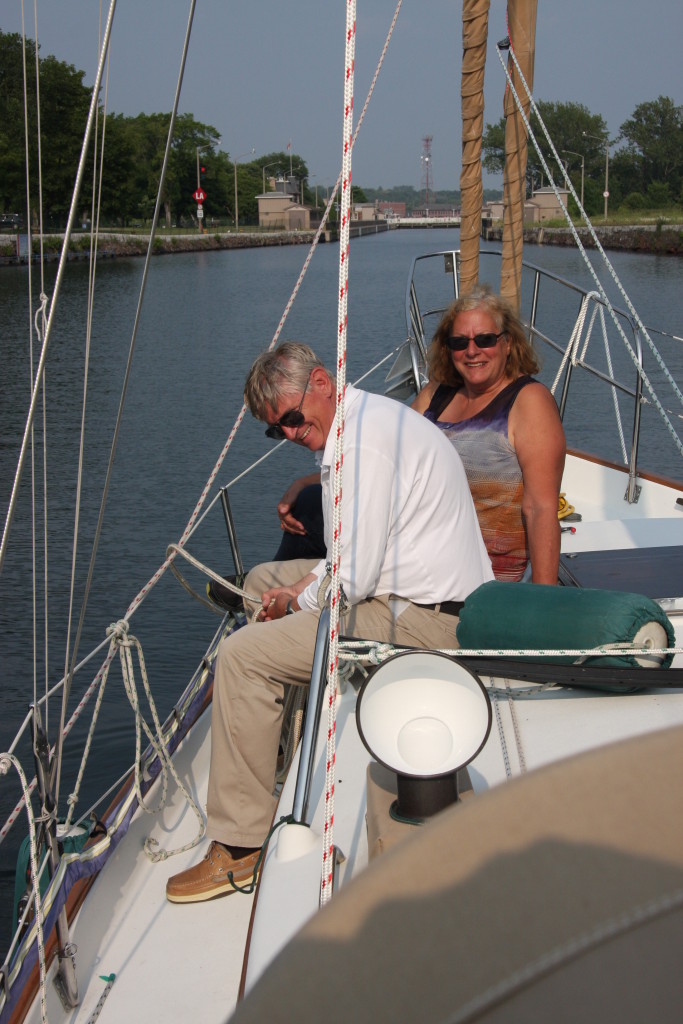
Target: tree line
[(645, 168), (645, 160), (131, 150)]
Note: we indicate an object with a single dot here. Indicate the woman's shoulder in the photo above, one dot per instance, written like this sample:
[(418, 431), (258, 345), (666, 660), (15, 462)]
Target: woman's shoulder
[(422, 400), (535, 408), (533, 392)]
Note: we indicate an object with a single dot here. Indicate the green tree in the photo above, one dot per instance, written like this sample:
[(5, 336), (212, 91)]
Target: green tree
[(654, 138), (64, 104), (64, 101), (571, 126)]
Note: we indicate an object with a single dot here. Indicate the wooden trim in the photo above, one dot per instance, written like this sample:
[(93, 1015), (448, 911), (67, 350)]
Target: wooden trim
[(666, 481)]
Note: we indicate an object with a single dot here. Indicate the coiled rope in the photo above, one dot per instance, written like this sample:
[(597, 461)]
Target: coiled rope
[(126, 643)]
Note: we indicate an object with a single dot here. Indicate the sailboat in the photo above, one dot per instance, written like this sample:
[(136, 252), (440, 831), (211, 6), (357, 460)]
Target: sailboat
[(565, 818)]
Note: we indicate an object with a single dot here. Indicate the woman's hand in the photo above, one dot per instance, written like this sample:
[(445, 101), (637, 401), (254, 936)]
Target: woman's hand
[(286, 503)]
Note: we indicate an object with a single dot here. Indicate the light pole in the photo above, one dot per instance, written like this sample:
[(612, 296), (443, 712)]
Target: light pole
[(606, 141), (583, 165), (199, 184), (240, 157), (264, 169)]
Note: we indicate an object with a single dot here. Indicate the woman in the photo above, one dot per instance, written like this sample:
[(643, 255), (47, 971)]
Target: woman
[(506, 428)]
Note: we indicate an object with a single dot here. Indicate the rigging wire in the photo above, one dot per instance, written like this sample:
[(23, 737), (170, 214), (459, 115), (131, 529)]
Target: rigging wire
[(70, 660), (607, 262), (40, 371), (117, 427), (192, 522)]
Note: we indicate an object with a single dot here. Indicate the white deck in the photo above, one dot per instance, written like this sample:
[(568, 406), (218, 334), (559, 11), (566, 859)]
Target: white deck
[(184, 962), (172, 962)]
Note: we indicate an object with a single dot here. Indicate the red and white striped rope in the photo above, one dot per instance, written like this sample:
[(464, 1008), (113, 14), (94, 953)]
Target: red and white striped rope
[(342, 321)]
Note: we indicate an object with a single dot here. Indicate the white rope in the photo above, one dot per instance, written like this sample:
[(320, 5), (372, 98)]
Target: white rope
[(608, 357), (125, 643), (376, 652), (629, 304), (7, 761), (233, 587), (571, 353), (4, 831), (103, 675), (327, 871), (572, 346), (501, 731)]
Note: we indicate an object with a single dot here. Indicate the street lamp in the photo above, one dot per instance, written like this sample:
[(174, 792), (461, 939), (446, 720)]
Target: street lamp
[(606, 141), (583, 164), (240, 157), (316, 189), (264, 169), (198, 149)]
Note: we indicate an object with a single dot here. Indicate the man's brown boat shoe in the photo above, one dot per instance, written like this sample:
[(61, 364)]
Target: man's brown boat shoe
[(209, 878)]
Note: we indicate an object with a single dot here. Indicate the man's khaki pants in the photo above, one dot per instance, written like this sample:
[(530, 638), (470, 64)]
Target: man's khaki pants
[(252, 666)]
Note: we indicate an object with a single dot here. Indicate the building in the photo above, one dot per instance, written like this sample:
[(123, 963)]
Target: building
[(543, 206), (281, 209), (366, 212), (392, 209), (436, 211)]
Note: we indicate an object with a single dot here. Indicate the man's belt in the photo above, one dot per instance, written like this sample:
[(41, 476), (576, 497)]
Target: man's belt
[(447, 607)]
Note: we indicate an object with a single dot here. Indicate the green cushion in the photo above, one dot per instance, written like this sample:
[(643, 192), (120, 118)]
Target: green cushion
[(531, 615)]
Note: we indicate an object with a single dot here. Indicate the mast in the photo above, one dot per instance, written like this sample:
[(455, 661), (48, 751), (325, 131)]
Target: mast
[(475, 16), (522, 36)]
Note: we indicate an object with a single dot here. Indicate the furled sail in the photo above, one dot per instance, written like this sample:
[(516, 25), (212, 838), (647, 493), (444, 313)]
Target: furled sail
[(522, 32), (475, 16)]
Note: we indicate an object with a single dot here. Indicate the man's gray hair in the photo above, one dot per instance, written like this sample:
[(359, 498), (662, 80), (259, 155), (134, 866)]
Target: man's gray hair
[(282, 371)]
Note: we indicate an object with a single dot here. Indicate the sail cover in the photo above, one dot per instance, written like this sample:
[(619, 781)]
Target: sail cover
[(475, 17), (522, 31)]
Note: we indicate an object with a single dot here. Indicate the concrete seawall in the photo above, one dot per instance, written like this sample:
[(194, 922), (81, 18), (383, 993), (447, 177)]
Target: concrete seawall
[(666, 239), (117, 244)]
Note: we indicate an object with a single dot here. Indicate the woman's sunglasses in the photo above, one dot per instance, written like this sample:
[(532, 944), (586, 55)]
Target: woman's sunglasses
[(459, 342), (291, 418)]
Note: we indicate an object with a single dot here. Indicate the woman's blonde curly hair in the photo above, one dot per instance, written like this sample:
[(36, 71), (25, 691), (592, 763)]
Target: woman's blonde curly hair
[(521, 359)]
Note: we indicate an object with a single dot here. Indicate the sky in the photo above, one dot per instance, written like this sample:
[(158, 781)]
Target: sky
[(265, 73)]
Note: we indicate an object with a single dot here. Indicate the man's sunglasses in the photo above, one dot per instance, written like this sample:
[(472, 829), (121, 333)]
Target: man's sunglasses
[(291, 418), (459, 342)]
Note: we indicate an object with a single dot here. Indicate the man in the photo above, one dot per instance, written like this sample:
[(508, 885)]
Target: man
[(411, 552)]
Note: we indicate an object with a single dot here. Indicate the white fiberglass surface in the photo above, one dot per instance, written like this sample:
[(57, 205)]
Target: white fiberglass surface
[(171, 962)]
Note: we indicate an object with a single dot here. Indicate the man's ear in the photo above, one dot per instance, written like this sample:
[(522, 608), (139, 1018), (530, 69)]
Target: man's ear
[(321, 381)]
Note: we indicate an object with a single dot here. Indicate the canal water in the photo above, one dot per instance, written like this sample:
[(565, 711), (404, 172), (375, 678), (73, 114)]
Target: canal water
[(205, 317)]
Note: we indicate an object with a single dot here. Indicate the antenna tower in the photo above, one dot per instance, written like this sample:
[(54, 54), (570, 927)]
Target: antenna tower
[(426, 159)]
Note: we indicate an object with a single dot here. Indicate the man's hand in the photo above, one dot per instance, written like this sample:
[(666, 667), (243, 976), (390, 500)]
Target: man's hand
[(274, 603)]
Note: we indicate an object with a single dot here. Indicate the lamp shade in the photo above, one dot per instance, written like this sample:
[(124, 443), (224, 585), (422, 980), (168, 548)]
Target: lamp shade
[(422, 714)]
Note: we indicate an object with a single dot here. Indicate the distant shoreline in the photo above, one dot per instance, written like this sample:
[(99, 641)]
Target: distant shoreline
[(652, 239)]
